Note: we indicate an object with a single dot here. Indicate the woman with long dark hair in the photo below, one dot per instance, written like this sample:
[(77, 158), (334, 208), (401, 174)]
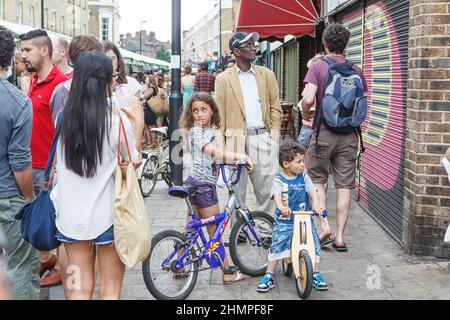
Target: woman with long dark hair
[(86, 162)]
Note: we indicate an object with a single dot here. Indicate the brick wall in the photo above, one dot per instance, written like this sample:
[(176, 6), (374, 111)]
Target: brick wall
[(427, 189)]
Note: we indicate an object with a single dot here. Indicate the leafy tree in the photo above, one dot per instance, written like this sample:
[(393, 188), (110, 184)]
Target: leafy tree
[(163, 55)]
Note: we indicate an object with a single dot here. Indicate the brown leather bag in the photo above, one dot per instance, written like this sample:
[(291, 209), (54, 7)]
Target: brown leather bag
[(159, 103)]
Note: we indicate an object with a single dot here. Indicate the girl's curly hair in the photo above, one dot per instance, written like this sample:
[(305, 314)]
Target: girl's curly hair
[(187, 119), (7, 47)]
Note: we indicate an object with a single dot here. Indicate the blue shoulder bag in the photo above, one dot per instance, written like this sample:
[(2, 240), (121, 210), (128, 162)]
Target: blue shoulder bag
[(38, 217)]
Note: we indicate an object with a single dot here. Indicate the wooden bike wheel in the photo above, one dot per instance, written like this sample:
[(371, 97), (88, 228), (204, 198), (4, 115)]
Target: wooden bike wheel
[(304, 280)]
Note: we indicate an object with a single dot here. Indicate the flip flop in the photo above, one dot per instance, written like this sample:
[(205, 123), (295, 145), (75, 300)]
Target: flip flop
[(340, 248), (239, 277), (327, 240)]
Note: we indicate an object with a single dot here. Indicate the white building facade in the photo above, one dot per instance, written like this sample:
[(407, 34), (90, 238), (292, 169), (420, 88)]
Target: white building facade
[(104, 18)]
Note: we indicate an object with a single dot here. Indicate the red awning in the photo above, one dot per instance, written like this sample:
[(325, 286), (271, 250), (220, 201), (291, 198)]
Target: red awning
[(274, 19)]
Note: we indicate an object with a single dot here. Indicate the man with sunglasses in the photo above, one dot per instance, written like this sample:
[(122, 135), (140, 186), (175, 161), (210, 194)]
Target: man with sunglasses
[(248, 99)]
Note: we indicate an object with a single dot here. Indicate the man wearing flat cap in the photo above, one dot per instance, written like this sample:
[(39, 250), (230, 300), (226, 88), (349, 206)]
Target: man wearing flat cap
[(248, 99)]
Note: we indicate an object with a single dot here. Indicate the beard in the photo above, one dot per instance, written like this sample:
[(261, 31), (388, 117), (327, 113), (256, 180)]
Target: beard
[(31, 69)]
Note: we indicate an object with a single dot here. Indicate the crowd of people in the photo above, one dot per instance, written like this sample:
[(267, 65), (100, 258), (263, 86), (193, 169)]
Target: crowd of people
[(83, 89)]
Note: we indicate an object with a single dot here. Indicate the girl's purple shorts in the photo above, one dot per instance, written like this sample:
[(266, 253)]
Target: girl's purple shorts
[(205, 196)]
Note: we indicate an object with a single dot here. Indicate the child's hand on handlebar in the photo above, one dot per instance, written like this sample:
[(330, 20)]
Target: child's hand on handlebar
[(285, 211)]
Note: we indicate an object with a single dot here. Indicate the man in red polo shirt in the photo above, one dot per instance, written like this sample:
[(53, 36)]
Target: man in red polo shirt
[(37, 52)]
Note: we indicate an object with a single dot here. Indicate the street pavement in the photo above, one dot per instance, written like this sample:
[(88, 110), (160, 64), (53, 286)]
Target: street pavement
[(374, 268)]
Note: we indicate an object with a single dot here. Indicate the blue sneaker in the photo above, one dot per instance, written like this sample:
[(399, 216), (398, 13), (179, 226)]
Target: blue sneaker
[(266, 283), (318, 282)]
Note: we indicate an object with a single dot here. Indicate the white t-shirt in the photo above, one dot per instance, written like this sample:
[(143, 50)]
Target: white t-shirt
[(130, 88), (84, 206)]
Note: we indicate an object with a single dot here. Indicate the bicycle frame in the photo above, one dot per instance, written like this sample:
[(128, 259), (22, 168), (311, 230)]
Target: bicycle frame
[(195, 231)]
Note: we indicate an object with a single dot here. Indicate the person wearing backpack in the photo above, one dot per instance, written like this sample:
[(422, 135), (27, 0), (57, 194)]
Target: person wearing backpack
[(339, 88)]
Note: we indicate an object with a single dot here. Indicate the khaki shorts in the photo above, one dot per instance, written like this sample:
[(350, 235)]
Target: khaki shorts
[(341, 150)]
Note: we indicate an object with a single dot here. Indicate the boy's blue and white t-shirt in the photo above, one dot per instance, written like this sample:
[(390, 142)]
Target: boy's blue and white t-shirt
[(294, 192), (204, 167)]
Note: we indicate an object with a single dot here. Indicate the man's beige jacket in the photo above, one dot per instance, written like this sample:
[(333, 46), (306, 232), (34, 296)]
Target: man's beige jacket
[(230, 102)]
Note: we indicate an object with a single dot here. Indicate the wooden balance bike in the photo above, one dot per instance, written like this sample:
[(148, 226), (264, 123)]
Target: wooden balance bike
[(302, 254)]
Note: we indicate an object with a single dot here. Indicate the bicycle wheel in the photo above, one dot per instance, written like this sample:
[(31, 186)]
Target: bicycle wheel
[(250, 258), (287, 268), (147, 182), (305, 280), (161, 280)]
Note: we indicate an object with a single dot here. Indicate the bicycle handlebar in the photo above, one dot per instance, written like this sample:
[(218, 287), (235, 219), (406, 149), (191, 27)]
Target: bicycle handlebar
[(239, 170), (311, 213)]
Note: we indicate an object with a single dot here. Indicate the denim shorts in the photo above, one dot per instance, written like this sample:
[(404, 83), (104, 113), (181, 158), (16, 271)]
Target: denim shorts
[(205, 196), (105, 238)]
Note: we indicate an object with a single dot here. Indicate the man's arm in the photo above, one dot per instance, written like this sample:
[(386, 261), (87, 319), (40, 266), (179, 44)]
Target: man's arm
[(276, 113), (24, 180), (309, 95), (19, 154)]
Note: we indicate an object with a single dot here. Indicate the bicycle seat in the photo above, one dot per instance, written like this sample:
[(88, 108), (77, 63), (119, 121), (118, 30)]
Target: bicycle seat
[(182, 191), (163, 131)]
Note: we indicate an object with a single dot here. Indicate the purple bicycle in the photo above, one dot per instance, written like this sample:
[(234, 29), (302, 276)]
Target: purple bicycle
[(171, 269)]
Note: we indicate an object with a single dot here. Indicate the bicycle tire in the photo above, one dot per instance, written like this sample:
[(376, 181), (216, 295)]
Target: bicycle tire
[(146, 272), (146, 193), (234, 246), (305, 282)]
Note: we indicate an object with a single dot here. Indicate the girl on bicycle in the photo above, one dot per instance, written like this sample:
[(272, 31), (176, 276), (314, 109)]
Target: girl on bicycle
[(199, 120)]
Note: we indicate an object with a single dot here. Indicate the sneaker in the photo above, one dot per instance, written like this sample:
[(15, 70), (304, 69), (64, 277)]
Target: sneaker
[(266, 283), (318, 282)]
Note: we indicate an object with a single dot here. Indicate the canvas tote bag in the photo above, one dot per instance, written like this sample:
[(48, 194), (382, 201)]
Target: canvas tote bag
[(131, 223)]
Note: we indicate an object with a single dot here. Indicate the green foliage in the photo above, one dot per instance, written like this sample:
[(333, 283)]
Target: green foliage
[(163, 55)]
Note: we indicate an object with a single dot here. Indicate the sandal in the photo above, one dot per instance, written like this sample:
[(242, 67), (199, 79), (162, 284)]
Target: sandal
[(239, 277), (327, 240), (342, 248)]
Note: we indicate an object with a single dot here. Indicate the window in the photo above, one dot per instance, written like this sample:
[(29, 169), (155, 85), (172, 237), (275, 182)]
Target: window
[(105, 29), (19, 13), (332, 4), (46, 17), (54, 20), (2, 9), (31, 16), (69, 26)]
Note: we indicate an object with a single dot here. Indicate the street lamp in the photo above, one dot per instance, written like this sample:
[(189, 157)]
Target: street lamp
[(176, 98), (42, 14), (140, 35)]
